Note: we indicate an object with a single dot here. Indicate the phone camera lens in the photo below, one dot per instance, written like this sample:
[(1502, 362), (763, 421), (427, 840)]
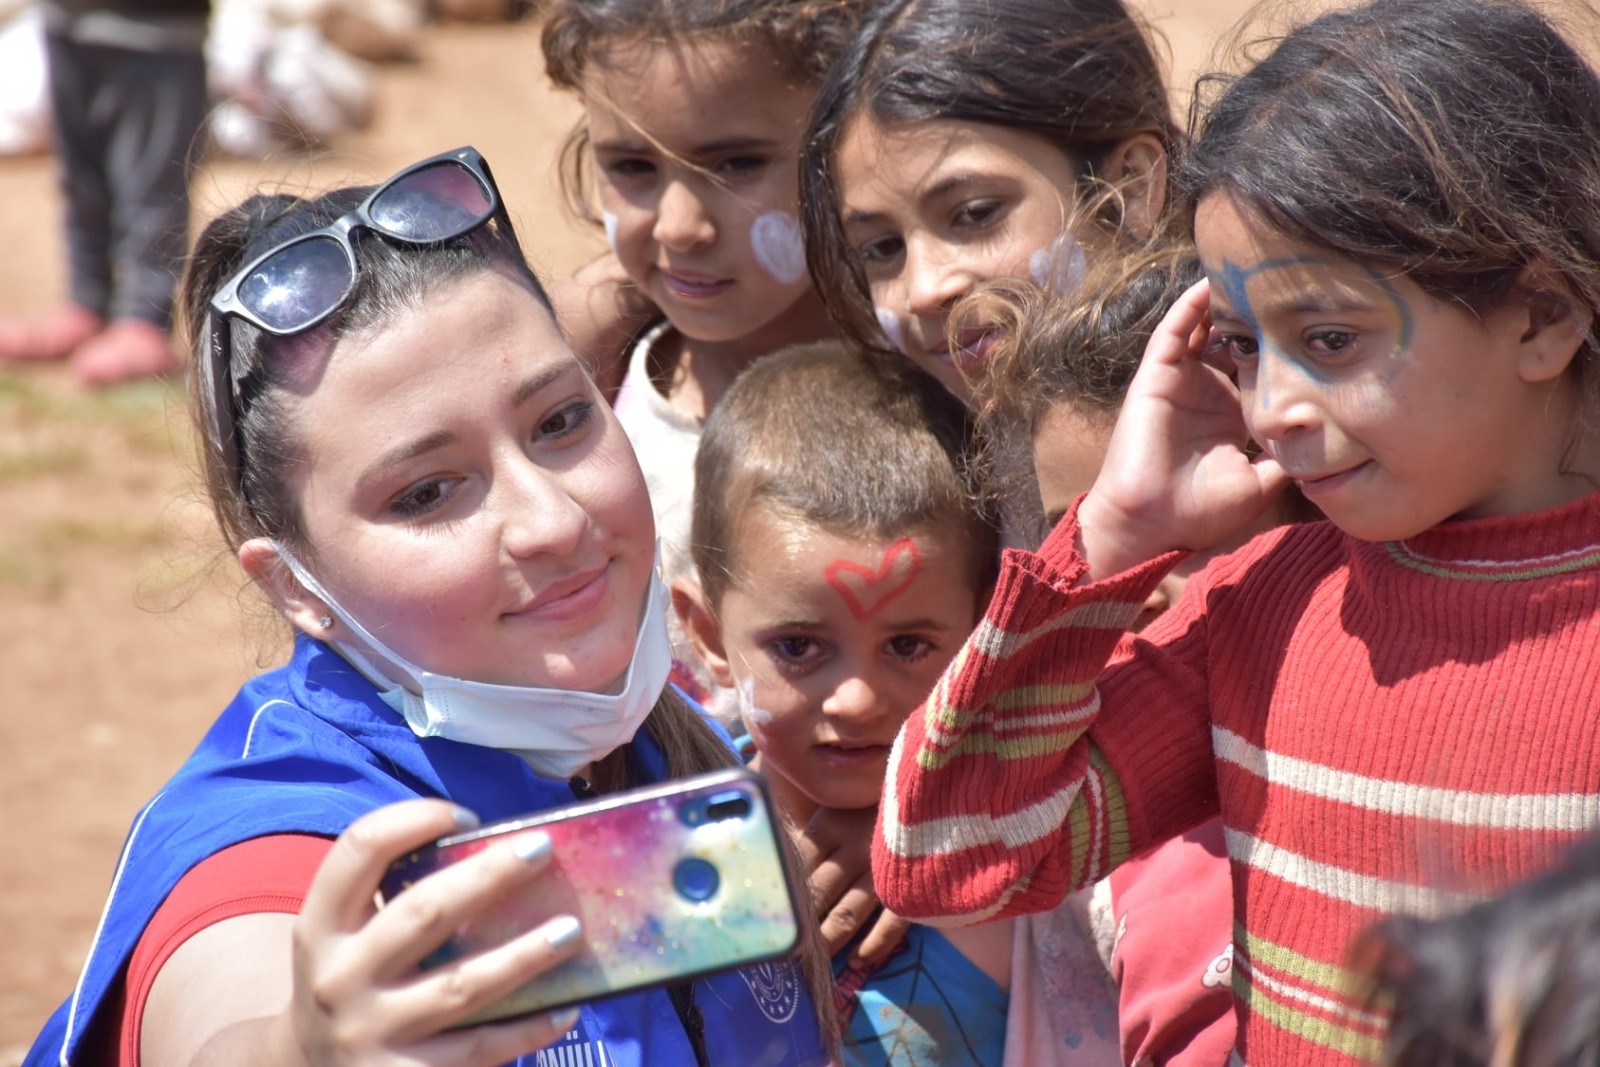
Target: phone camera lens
[(696, 879), (733, 805)]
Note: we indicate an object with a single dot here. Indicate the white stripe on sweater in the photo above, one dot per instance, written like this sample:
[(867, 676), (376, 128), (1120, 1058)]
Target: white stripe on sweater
[(998, 644), (1302, 994), (1337, 883), (1532, 812), (1015, 721), (958, 833)]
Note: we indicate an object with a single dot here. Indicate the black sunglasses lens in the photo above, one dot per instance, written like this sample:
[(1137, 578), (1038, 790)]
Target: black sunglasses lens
[(298, 285), (436, 203)]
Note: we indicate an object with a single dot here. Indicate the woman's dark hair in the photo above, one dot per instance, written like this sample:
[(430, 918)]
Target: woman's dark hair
[(805, 36), (1079, 73), (1510, 982), (257, 501), (1455, 141)]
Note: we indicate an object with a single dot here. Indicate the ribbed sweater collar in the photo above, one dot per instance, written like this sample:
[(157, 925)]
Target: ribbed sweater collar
[(1530, 545)]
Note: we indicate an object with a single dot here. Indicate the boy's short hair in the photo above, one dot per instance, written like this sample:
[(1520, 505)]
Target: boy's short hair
[(821, 433)]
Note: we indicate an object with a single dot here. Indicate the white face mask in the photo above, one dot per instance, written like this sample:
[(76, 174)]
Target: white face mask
[(557, 731)]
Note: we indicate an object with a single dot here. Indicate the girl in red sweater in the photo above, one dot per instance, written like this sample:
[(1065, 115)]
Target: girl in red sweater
[(1397, 217)]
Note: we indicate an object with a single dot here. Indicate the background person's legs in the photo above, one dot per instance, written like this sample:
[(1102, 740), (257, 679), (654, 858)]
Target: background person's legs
[(151, 151), (74, 85), (127, 123)]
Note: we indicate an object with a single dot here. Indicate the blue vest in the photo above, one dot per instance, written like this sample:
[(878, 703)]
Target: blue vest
[(311, 747)]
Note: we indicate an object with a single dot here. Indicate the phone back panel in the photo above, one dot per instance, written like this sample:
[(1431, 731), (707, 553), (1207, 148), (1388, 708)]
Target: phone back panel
[(670, 882)]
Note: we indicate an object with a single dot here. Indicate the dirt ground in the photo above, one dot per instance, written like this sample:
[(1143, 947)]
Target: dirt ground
[(121, 632)]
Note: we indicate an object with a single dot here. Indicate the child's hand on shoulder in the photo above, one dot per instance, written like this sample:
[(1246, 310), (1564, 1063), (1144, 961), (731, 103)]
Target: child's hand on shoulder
[(836, 849), (1178, 473)]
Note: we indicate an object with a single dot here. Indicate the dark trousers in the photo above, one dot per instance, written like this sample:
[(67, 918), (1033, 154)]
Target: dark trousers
[(127, 134)]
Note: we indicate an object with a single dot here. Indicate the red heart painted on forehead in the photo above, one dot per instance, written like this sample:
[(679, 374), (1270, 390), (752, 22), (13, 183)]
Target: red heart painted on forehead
[(865, 591)]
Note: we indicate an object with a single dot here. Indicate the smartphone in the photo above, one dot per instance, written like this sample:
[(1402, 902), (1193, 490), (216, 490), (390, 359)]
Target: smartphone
[(670, 881)]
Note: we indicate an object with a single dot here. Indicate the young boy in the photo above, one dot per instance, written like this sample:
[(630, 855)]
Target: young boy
[(843, 556)]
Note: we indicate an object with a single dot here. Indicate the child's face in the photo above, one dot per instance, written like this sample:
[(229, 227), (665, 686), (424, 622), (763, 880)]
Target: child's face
[(1393, 410), (934, 208), (696, 152), (833, 642), (470, 497)]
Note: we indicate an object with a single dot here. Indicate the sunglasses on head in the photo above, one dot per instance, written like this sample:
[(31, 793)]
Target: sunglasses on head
[(299, 282)]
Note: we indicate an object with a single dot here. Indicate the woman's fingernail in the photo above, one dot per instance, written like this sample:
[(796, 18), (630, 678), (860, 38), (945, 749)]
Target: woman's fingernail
[(564, 1019), (465, 819), (562, 931), (532, 847)]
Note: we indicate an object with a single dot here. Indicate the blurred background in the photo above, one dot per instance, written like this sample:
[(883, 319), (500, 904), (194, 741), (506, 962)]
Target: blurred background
[(122, 633)]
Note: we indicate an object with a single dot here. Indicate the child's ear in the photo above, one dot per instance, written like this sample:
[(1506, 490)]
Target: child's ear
[(1554, 324), (700, 625), (262, 563), (1138, 166)]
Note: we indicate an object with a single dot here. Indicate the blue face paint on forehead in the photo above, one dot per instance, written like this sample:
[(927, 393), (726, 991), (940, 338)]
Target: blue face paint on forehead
[(1233, 281)]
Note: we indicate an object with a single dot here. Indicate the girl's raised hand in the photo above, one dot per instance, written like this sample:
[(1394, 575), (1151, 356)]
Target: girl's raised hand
[(1177, 473), (359, 996)]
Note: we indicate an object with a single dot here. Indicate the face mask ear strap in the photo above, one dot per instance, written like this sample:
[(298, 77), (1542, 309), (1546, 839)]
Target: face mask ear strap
[(365, 664)]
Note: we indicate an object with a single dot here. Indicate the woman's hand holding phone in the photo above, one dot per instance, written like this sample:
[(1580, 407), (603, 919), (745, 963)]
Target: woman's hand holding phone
[(359, 993)]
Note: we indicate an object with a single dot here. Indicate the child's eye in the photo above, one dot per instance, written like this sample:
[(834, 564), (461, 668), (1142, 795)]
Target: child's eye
[(794, 650), (909, 647), (741, 166), (628, 170), (423, 497), (879, 250), (568, 420), (977, 212), (1239, 345), (1329, 342)]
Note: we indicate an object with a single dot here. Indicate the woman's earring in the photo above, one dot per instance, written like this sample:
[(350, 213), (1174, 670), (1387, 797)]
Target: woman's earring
[(325, 623)]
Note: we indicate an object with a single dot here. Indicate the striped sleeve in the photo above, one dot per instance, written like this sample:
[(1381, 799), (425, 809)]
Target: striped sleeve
[(995, 802)]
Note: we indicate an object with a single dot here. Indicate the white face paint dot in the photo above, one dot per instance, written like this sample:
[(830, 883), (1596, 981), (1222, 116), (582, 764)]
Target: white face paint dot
[(610, 221), (752, 715), (889, 323), (1058, 267), (775, 238)]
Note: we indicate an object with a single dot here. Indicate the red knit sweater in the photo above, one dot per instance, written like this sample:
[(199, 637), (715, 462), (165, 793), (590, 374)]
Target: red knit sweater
[(1383, 727)]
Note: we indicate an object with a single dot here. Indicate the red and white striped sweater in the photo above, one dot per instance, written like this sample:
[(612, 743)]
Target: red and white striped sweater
[(1384, 728)]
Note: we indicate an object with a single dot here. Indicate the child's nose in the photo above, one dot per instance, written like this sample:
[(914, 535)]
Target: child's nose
[(933, 283), (682, 221), (1282, 396), (854, 698)]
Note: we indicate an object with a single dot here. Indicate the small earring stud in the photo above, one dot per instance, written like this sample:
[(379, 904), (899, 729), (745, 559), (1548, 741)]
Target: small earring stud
[(326, 622)]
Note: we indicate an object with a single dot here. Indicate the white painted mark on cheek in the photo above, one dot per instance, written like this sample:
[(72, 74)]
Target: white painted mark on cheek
[(1058, 267), (889, 323), (755, 717), (775, 239), (610, 221)]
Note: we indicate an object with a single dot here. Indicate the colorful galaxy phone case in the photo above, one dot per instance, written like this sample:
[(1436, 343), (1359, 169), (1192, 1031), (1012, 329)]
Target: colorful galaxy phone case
[(671, 881)]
